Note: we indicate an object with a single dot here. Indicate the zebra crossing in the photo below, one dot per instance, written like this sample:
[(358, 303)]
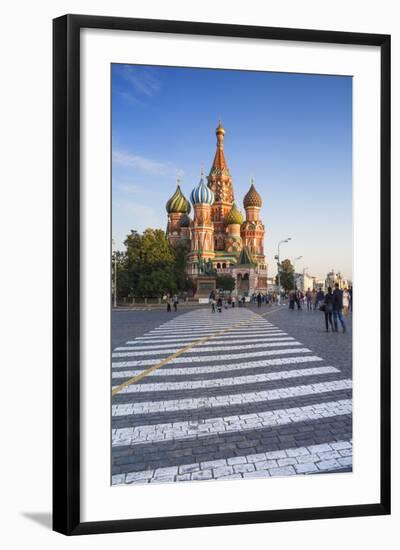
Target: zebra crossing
[(225, 396)]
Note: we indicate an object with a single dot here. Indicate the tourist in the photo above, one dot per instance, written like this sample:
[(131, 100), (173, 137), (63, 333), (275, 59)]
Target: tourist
[(233, 301), (219, 304), (212, 302), (309, 299), (175, 300), (346, 301), (327, 308), (259, 299), (337, 308), (168, 302), (292, 299), (298, 298), (319, 298)]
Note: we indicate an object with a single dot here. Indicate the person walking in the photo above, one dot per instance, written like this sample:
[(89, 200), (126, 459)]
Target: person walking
[(319, 298), (168, 303), (337, 308), (212, 302), (291, 300), (175, 300), (327, 308), (259, 299), (298, 297), (233, 301), (346, 301), (309, 299), (219, 304)]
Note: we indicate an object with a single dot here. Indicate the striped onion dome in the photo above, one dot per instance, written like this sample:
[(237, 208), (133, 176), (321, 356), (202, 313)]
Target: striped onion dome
[(178, 203), (234, 216), (252, 198), (202, 194), (185, 221)]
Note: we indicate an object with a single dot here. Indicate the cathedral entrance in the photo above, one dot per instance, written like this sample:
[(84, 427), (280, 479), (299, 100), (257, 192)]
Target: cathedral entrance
[(243, 284)]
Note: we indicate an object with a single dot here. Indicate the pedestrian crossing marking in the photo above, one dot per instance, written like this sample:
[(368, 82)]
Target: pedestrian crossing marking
[(139, 377)]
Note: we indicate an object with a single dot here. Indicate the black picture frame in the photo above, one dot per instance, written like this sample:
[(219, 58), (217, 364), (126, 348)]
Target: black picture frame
[(66, 273)]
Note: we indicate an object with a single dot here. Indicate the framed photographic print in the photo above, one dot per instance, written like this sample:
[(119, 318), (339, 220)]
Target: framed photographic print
[(219, 191)]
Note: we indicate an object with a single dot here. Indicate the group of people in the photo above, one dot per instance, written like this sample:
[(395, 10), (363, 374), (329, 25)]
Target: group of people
[(172, 302), (312, 299), (218, 302), (334, 303)]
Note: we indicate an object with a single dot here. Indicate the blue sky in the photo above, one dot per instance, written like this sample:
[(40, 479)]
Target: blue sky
[(291, 132)]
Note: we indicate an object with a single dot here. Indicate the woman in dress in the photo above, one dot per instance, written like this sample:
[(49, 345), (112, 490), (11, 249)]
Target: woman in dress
[(346, 301)]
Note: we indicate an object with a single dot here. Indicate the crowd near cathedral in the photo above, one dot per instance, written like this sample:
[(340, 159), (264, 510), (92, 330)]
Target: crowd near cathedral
[(218, 236)]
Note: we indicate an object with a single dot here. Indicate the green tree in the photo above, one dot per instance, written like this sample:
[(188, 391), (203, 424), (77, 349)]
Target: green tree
[(183, 282), (287, 275), (149, 264), (225, 282)]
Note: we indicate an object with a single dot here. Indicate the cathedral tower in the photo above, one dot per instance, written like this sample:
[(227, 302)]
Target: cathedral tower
[(252, 230), (220, 183), (178, 207), (202, 241)]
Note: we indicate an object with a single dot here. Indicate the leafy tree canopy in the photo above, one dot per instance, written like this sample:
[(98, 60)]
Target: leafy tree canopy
[(287, 275), (225, 282)]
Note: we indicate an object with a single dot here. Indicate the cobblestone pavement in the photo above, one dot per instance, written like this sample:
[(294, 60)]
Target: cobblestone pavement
[(265, 392)]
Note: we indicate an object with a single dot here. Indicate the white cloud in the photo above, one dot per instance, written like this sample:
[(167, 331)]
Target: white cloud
[(141, 81), (147, 165)]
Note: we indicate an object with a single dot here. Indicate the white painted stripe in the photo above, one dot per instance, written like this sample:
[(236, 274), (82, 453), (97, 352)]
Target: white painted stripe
[(147, 407), (179, 336), (228, 335), (232, 381), (150, 345), (226, 357), (204, 328), (302, 460), (201, 348), (178, 371), (222, 368), (218, 425)]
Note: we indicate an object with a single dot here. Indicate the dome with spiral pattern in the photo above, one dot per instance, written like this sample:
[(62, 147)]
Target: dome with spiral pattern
[(178, 203), (201, 194), (234, 216), (252, 198)]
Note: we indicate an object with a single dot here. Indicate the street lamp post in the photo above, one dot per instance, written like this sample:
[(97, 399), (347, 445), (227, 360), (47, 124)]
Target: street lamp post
[(304, 278), (277, 257)]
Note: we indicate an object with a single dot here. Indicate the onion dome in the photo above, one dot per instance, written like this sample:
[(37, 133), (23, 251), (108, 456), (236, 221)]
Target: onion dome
[(201, 194), (178, 203), (220, 129), (252, 198), (234, 216), (185, 221)]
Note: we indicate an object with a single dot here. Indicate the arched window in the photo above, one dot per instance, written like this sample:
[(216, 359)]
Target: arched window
[(224, 265), (218, 265)]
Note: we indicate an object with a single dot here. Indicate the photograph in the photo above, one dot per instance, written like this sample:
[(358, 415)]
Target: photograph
[(231, 269)]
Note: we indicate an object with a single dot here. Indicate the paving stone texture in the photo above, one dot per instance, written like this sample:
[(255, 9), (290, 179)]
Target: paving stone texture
[(249, 392)]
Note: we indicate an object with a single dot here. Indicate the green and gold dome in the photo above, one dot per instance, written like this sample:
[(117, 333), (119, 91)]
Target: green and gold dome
[(234, 216), (178, 203)]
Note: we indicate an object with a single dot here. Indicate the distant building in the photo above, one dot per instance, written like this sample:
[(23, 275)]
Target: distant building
[(336, 277)]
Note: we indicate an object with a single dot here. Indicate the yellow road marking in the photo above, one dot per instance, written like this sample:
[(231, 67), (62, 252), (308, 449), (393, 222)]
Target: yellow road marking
[(146, 372)]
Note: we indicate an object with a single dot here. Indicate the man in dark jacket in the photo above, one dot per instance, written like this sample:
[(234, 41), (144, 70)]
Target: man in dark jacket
[(337, 308), (319, 298)]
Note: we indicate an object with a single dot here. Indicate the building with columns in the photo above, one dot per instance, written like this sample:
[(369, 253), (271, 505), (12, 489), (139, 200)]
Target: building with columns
[(219, 234)]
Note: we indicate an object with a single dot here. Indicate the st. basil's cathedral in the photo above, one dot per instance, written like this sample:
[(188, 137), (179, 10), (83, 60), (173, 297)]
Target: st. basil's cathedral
[(219, 236)]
